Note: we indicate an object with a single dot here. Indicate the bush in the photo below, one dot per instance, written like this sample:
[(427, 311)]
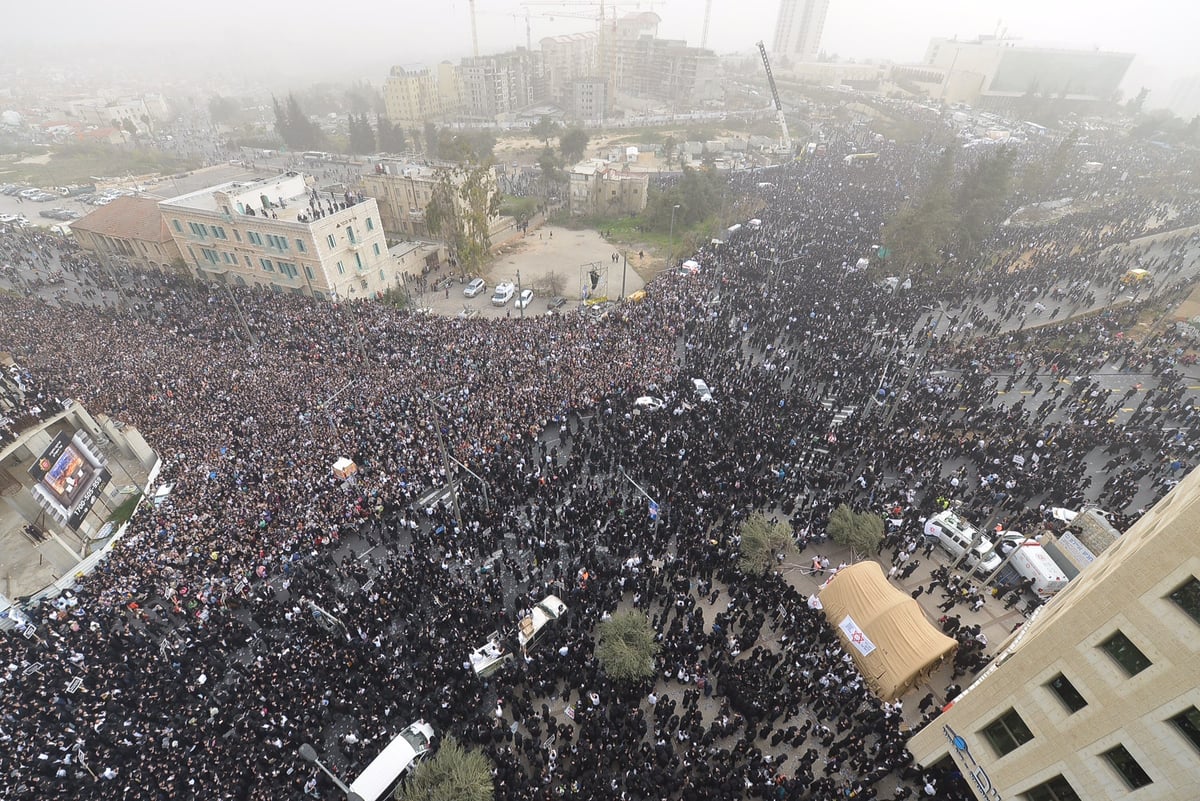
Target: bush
[(626, 647), (452, 774), (859, 531), (761, 544)]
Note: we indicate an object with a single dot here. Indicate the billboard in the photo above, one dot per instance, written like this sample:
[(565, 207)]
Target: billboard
[(69, 477)]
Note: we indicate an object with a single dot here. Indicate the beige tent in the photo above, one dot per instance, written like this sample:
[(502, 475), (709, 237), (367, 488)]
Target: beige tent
[(883, 629)]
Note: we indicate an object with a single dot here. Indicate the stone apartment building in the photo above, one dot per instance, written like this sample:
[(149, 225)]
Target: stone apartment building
[(128, 232)]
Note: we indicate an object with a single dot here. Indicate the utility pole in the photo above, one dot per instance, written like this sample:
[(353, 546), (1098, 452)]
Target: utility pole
[(437, 425), (474, 34), (624, 270), (671, 252), (520, 300), (249, 335)]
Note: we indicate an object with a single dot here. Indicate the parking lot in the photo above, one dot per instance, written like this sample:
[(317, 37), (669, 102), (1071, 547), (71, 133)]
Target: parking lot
[(546, 260)]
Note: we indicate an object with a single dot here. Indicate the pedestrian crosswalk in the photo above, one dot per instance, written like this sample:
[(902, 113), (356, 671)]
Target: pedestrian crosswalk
[(842, 414)]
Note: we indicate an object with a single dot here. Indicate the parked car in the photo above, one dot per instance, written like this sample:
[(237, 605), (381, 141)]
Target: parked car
[(556, 302), (503, 293), (524, 299), (476, 287)]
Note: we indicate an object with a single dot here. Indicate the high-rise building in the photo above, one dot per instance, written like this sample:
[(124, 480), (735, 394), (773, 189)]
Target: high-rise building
[(568, 58), (501, 84), (282, 234), (798, 29), (1098, 696), (414, 96)]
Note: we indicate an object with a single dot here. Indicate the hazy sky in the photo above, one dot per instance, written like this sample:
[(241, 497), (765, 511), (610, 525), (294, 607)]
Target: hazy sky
[(347, 37)]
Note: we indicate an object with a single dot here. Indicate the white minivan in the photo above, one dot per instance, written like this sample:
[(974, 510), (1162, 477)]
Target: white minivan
[(379, 779), (955, 536)]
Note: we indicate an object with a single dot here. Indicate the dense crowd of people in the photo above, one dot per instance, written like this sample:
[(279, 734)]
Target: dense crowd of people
[(203, 667)]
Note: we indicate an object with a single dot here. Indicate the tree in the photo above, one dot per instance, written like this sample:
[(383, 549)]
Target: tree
[(362, 136), (544, 128), (761, 544), (1135, 104), (452, 774), (572, 144), (390, 136), (982, 200), (555, 282), (859, 531), (626, 647), (431, 141), (464, 202), (668, 150), (921, 231), (294, 127), (224, 110), (698, 195)]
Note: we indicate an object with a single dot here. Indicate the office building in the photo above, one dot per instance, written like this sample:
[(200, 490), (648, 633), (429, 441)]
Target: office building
[(597, 188), (1098, 696), (798, 29), (586, 100), (281, 233), (128, 232)]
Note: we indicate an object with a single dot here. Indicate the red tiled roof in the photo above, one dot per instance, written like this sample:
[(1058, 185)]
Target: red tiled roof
[(128, 217)]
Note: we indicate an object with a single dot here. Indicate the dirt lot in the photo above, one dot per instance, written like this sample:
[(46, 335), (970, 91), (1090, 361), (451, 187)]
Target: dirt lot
[(546, 252)]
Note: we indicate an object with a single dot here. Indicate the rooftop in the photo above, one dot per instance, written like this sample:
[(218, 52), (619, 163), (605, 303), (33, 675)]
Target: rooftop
[(286, 197), (127, 217)]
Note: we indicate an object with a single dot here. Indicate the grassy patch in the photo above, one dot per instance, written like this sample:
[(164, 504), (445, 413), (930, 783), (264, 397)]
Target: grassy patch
[(122, 513), (78, 164)]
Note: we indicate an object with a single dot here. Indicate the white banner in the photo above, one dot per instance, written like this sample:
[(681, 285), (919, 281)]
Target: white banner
[(858, 637)]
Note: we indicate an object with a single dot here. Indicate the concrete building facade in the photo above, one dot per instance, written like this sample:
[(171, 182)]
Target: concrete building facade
[(280, 233), (798, 29), (1097, 697), (128, 232), (595, 187), (568, 58), (992, 71), (414, 96), (403, 189), (502, 84), (586, 100)]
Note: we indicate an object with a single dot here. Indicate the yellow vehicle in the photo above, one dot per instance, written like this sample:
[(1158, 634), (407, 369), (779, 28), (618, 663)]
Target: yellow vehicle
[(637, 297), (1135, 277)]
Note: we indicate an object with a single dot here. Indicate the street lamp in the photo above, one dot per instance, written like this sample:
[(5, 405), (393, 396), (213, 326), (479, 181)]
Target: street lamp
[(309, 754), (671, 252)]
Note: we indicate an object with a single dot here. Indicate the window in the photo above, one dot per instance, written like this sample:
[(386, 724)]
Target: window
[(219, 232), (341, 269), (178, 227), (236, 235), (1187, 596), (254, 238), (1061, 686), (1125, 653), (370, 224), (332, 242), (308, 271), (375, 248), (266, 265), (1057, 789), (300, 246), (1007, 732), (358, 260), (1124, 763), (350, 234), (1188, 723)]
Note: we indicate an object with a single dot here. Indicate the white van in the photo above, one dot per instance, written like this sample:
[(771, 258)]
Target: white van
[(379, 779), (1032, 562), (955, 536), (530, 627)]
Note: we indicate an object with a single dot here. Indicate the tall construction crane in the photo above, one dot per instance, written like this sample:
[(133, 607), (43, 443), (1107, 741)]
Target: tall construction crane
[(787, 138), (707, 17)]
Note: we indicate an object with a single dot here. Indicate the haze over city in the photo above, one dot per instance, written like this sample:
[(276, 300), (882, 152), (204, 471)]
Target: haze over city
[(310, 40)]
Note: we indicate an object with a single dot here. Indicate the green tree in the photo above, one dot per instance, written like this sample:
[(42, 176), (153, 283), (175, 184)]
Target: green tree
[(921, 231), (452, 774), (572, 144), (391, 137), (859, 531), (668, 151), (982, 200), (626, 647), (544, 128), (761, 544), (1138, 102), (431, 141), (698, 195), (362, 135), (464, 202), (294, 127)]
